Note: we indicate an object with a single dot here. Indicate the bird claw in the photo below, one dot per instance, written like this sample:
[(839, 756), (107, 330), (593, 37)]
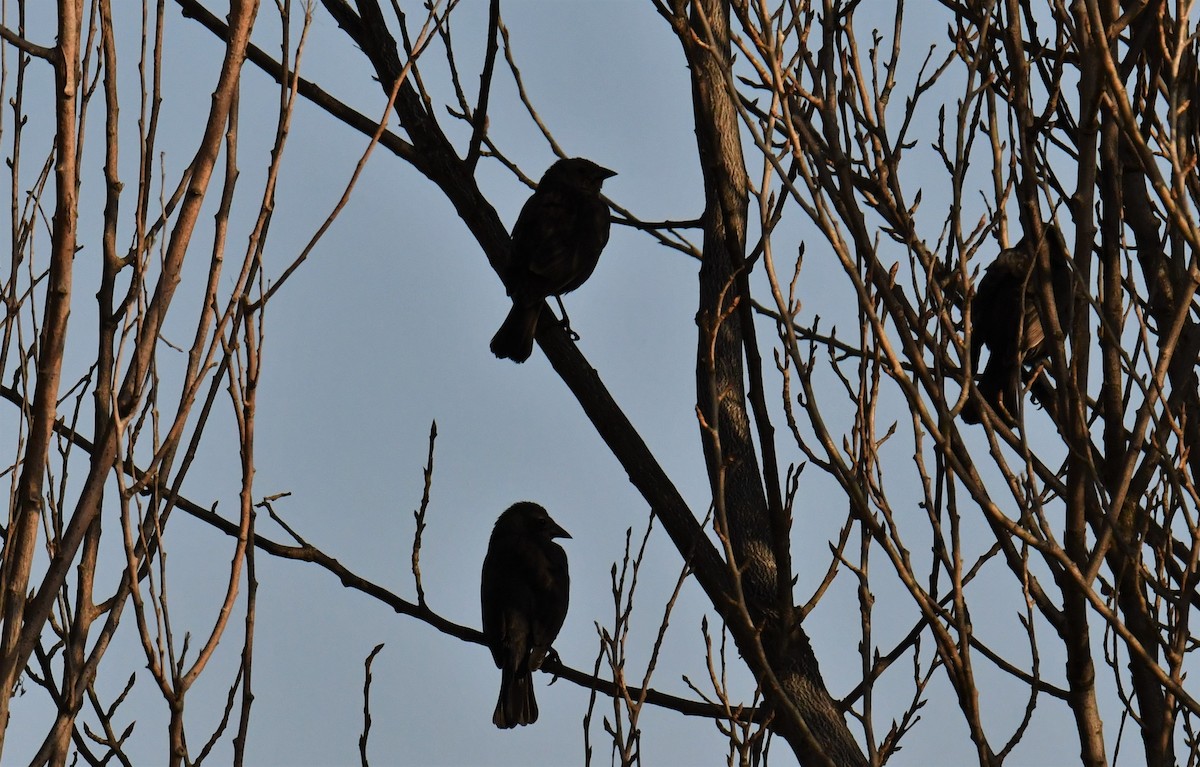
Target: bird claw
[(552, 656), (566, 326)]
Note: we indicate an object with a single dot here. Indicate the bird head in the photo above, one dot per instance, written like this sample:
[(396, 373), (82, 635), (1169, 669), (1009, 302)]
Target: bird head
[(577, 173), (527, 518)]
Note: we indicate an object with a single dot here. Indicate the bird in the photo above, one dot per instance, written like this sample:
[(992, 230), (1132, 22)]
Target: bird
[(524, 591), (1005, 317), (556, 244)]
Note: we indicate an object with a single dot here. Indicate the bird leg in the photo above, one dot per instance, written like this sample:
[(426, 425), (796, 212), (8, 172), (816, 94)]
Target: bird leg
[(1042, 393), (1032, 379), (565, 323)]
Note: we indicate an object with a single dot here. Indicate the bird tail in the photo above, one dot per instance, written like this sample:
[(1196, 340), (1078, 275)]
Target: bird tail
[(997, 384), (514, 339), (516, 705)]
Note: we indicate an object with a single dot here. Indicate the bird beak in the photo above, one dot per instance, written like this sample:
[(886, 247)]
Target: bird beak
[(604, 173), (556, 531)]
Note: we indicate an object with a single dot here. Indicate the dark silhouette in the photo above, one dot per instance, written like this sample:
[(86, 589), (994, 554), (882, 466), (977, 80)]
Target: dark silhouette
[(1005, 316), (525, 589), (556, 245)]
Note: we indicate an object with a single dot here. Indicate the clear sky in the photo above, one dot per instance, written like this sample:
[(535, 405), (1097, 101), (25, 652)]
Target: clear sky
[(384, 330)]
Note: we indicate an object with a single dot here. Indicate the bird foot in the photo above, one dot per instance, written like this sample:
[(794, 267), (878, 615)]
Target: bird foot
[(565, 324), (552, 656)]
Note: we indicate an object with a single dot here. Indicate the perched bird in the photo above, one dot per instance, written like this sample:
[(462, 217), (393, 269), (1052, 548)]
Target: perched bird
[(556, 245), (1005, 317), (524, 591)]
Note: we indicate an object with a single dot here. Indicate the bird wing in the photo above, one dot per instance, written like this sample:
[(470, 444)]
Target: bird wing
[(557, 241), (1000, 314), (539, 234), (505, 598), (552, 597)]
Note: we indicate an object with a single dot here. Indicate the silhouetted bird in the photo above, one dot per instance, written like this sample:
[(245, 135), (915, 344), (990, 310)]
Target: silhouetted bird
[(556, 244), (525, 589), (1005, 317)]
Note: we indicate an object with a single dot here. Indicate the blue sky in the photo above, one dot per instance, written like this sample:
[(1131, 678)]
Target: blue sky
[(386, 329)]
